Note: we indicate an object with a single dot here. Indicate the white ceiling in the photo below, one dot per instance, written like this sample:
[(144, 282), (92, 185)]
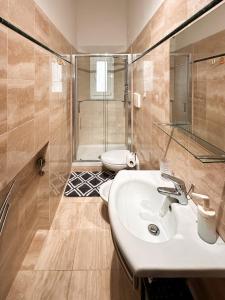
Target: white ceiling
[(101, 26)]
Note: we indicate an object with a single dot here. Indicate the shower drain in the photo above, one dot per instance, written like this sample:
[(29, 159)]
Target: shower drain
[(153, 229)]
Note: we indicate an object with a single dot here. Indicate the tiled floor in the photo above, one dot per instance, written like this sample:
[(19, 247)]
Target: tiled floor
[(75, 259)]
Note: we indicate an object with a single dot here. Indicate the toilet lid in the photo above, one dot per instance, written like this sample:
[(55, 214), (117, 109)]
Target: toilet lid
[(115, 157)]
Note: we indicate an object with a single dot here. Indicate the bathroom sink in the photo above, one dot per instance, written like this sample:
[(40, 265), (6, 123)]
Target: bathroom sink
[(156, 236), (139, 205)]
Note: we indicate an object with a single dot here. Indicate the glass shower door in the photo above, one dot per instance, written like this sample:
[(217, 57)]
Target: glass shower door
[(100, 107)]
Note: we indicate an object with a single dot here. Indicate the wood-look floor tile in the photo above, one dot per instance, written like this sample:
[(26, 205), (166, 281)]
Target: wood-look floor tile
[(94, 216), (94, 250), (34, 250), (100, 285), (40, 285), (58, 251), (81, 199), (68, 216)]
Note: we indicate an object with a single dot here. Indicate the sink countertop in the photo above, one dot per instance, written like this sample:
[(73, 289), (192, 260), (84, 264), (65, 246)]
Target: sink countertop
[(185, 254)]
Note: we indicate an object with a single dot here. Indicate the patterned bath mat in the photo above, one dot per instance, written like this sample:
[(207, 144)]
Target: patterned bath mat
[(86, 184)]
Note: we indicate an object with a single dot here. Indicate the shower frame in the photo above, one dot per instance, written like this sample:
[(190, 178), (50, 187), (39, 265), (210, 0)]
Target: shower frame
[(75, 103)]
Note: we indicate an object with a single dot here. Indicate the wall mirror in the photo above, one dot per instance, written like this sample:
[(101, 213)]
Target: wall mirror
[(197, 84)]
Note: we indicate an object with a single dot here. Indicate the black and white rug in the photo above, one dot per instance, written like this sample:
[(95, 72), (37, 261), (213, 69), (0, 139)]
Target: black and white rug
[(86, 184)]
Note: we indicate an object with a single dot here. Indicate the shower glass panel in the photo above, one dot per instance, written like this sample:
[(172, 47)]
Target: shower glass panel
[(101, 106)]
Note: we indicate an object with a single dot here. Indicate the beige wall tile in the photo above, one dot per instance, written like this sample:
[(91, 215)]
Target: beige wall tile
[(42, 80), (4, 9), (3, 160), (3, 106), (20, 104), (20, 57), (3, 52), (20, 148), (21, 13), (195, 5), (41, 129), (41, 26)]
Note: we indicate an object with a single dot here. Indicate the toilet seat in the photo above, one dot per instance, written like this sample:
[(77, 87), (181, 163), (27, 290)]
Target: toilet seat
[(115, 160)]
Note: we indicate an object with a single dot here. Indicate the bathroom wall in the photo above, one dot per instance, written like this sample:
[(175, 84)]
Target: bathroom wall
[(33, 117), (151, 79)]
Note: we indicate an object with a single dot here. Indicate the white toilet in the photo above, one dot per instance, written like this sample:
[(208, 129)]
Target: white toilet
[(115, 160)]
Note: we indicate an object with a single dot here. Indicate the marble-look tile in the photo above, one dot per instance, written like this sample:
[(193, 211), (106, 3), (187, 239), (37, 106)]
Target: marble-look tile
[(195, 5), (20, 57), (39, 285), (4, 9), (3, 52), (3, 160), (41, 127), (20, 104), (42, 80), (41, 26), (22, 14), (20, 148), (174, 14), (158, 25), (94, 250), (58, 251), (3, 106)]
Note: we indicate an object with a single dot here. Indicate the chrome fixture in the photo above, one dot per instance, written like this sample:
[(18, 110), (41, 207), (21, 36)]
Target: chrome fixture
[(40, 165), (179, 192), (153, 229)]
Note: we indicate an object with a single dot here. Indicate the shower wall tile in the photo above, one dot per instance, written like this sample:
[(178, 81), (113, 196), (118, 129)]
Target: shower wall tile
[(42, 80), (195, 5), (22, 14), (3, 52), (3, 106), (20, 104), (174, 14), (42, 26), (3, 160), (4, 9), (21, 64)]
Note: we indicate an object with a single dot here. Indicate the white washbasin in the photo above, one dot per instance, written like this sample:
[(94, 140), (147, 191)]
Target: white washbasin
[(177, 250), (138, 205)]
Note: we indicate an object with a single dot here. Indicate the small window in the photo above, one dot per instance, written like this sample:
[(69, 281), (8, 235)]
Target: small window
[(101, 78), (57, 85)]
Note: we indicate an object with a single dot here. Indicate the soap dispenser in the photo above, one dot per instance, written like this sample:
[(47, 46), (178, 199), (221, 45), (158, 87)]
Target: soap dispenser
[(206, 219)]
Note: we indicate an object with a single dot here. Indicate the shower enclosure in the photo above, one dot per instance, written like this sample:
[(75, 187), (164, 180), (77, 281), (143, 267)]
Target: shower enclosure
[(101, 105)]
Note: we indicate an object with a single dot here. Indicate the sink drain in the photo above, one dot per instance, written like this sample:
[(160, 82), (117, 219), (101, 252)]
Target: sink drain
[(153, 229)]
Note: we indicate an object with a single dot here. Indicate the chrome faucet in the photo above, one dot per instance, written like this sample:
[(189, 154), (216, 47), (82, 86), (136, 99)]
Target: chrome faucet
[(179, 192)]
